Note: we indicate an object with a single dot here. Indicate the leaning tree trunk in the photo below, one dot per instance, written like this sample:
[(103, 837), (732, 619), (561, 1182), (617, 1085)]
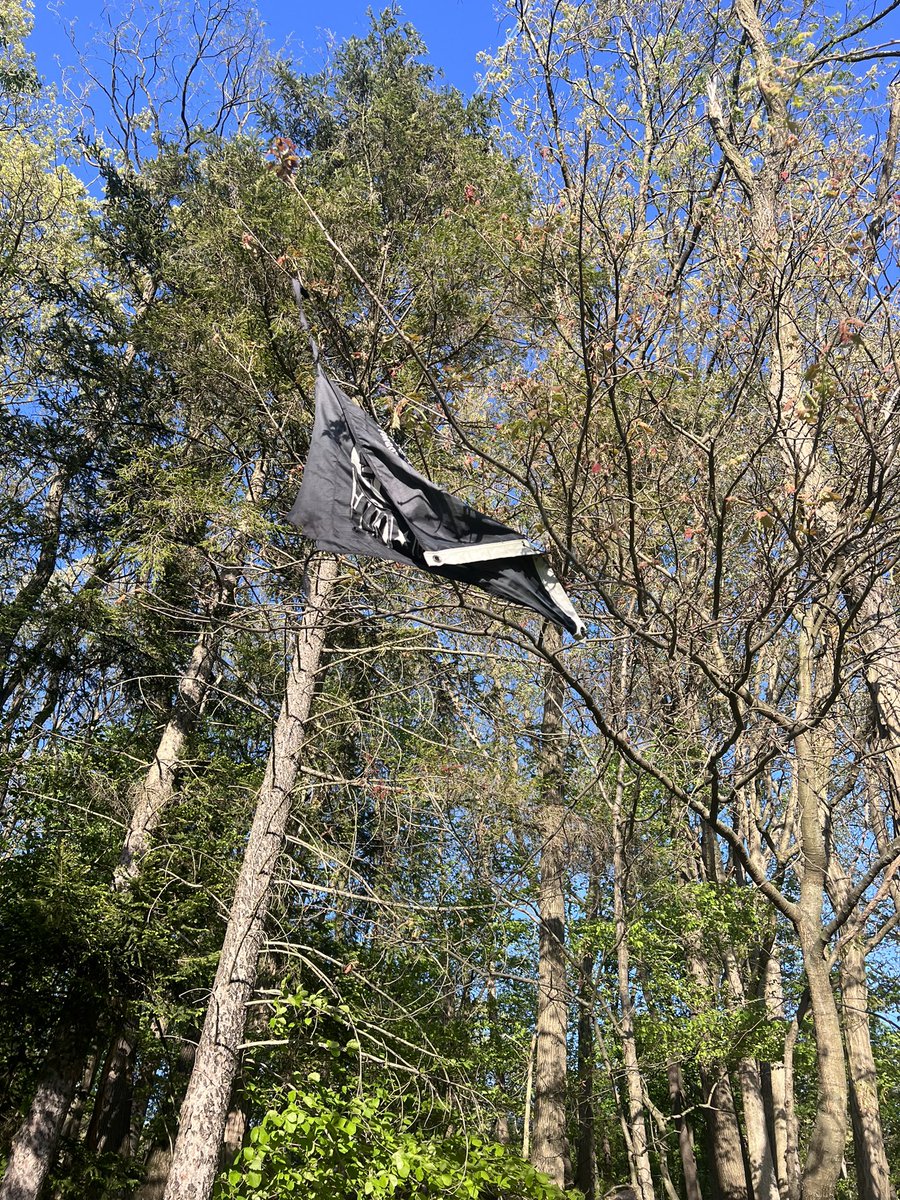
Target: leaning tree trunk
[(550, 1147), (33, 1149), (204, 1113)]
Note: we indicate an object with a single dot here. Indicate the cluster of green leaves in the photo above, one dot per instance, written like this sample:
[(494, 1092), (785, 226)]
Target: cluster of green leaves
[(346, 1142)]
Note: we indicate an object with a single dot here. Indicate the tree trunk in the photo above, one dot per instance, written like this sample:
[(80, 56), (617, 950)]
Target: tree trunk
[(685, 1133), (156, 1174), (71, 1129), (157, 788), (109, 1129), (550, 1149), (637, 1119), (33, 1149), (726, 1150), (159, 1159), (586, 1154), (205, 1109), (760, 1164), (775, 1083), (825, 1151), (19, 610), (586, 1157), (873, 1173), (235, 1129), (759, 1152), (791, 1124)]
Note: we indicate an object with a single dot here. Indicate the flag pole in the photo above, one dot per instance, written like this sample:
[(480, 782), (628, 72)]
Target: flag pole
[(299, 290)]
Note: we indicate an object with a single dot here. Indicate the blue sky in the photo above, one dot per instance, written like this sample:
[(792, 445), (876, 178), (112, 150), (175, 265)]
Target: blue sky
[(453, 30)]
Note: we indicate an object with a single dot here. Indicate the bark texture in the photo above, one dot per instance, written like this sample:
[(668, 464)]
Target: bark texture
[(825, 1150), (685, 1133), (204, 1112), (549, 1145), (724, 1136), (586, 1149), (33, 1150), (776, 1076), (110, 1125), (637, 1117), (157, 788), (873, 1174)]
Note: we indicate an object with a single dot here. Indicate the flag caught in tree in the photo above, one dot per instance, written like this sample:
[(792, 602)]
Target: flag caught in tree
[(361, 496)]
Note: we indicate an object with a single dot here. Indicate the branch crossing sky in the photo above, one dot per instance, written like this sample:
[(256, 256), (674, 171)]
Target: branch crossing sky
[(453, 30)]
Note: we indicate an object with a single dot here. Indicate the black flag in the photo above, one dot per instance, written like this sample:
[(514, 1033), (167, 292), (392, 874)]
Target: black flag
[(361, 496)]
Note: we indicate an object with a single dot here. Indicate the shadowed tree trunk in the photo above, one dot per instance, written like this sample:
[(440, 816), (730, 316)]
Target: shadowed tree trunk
[(159, 1159), (760, 1160), (33, 1149), (204, 1112), (825, 1149), (109, 1129), (685, 1132), (724, 1136)]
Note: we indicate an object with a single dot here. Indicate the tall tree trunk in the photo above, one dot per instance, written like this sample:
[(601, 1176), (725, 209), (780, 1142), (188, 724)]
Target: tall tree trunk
[(549, 1147), (235, 1130), (16, 612), (760, 1163), (110, 1125), (33, 1149), (71, 1129), (759, 1153), (586, 1155), (725, 1150), (776, 1078), (791, 1123), (724, 1135), (873, 1173), (156, 1171), (157, 788), (872, 1170), (685, 1132), (586, 1151), (637, 1118), (825, 1150), (205, 1109)]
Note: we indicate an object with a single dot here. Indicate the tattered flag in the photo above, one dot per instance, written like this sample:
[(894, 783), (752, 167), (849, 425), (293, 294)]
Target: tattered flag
[(360, 495)]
